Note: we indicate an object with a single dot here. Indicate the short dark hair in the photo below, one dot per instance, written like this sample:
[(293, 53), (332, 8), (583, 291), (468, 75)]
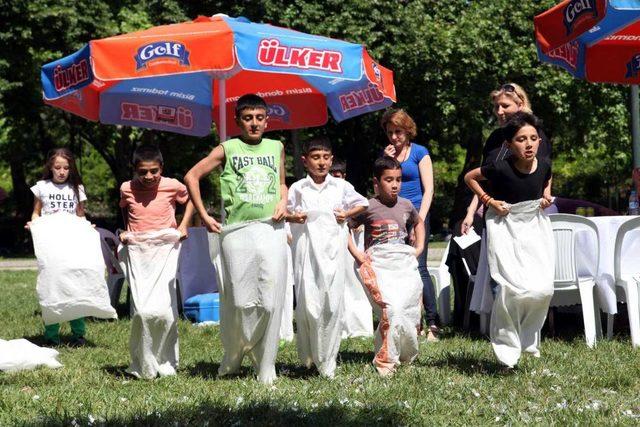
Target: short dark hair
[(517, 121), (147, 153), (251, 101), (320, 143), (339, 166), (385, 163)]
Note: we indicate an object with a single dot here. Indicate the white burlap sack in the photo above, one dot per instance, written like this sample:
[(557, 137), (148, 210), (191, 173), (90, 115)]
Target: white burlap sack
[(150, 261), (286, 325), (254, 269), (521, 260), (394, 288), (358, 315), (71, 270), (19, 355), (319, 255)]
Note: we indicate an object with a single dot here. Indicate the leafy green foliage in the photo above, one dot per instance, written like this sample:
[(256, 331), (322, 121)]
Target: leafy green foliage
[(446, 58)]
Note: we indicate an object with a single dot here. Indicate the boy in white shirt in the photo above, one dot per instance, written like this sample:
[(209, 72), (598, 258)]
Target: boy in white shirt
[(318, 207)]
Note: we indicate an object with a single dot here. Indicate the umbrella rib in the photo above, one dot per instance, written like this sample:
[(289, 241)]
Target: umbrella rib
[(125, 37)]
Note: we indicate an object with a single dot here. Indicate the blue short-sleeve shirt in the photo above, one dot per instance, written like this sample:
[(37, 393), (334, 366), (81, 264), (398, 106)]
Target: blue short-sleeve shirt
[(412, 188)]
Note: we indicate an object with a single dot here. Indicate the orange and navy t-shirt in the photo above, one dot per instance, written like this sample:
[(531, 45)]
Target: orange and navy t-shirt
[(386, 224)]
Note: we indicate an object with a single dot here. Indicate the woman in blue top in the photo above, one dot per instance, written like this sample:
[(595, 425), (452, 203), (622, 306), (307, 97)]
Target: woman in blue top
[(417, 186)]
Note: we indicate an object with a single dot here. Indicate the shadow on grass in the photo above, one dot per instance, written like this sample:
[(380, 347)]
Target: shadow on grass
[(356, 357), (209, 371), (471, 365), (267, 413), (119, 372), (66, 340)]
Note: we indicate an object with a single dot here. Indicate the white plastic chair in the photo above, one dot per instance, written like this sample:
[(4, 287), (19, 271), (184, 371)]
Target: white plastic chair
[(442, 283), (629, 282), (115, 275), (571, 287)]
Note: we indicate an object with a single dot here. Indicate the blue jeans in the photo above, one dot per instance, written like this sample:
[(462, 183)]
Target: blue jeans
[(428, 291)]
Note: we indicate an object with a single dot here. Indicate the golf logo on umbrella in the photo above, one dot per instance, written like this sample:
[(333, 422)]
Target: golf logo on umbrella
[(278, 112), (576, 10), (152, 51)]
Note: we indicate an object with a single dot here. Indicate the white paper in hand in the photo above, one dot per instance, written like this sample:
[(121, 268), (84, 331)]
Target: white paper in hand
[(466, 240)]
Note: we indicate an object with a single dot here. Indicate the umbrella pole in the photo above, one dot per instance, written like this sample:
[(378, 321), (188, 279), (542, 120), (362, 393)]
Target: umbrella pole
[(222, 131), (635, 125), (222, 111)]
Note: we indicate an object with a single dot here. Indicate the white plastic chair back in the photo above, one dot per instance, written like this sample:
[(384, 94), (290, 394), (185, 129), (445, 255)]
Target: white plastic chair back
[(442, 283), (628, 231), (565, 228)]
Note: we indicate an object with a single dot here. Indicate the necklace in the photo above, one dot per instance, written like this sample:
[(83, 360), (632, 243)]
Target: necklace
[(404, 155)]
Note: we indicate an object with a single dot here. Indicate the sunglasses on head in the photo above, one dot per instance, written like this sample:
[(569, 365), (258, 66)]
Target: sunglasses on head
[(509, 88)]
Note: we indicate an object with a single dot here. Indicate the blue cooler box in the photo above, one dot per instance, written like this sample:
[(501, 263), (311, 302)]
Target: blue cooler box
[(203, 308)]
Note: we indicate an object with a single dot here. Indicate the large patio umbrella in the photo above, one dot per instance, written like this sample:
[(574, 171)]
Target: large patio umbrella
[(175, 77), (595, 40)]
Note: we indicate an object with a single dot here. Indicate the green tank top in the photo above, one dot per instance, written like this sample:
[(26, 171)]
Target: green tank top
[(250, 180)]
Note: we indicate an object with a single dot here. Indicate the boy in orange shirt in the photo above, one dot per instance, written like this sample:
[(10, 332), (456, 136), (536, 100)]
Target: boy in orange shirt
[(150, 250)]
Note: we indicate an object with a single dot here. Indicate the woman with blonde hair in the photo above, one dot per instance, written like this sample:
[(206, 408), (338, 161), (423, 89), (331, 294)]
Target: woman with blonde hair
[(417, 186), (507, 100)]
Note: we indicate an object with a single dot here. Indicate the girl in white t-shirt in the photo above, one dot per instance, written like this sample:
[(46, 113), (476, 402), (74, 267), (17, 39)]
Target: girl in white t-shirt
[(60, 190)]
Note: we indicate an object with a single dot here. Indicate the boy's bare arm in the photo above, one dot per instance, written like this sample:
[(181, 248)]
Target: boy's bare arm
[(192, 181), (359, 256), (186, 220), (472, 179), (418, 244), (280, 212)]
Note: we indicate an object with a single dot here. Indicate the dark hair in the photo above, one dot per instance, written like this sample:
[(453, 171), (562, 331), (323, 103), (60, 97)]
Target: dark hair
[(385, 163), (147, 153), (517, 121), (74, 178), (250, 100), (339, 166), (320, 143)]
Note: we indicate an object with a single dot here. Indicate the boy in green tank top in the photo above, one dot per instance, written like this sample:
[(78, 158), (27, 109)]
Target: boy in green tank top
[(253, 171), (253, 242)]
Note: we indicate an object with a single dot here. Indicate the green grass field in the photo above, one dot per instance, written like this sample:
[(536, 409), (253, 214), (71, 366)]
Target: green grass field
[(455, 381)]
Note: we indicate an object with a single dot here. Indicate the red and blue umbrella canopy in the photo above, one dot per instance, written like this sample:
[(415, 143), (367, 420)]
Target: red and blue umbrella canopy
[(595, 40), (174, 77)]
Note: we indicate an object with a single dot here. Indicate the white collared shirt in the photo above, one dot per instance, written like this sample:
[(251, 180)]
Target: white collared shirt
[(333, 193)]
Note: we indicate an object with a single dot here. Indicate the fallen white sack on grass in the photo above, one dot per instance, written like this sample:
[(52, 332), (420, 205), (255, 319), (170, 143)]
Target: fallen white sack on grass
[(71, 270), (520, 250), (358, 314), (319, 257), (254, 274), (394, 287), (150, 261), (19, 355)]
